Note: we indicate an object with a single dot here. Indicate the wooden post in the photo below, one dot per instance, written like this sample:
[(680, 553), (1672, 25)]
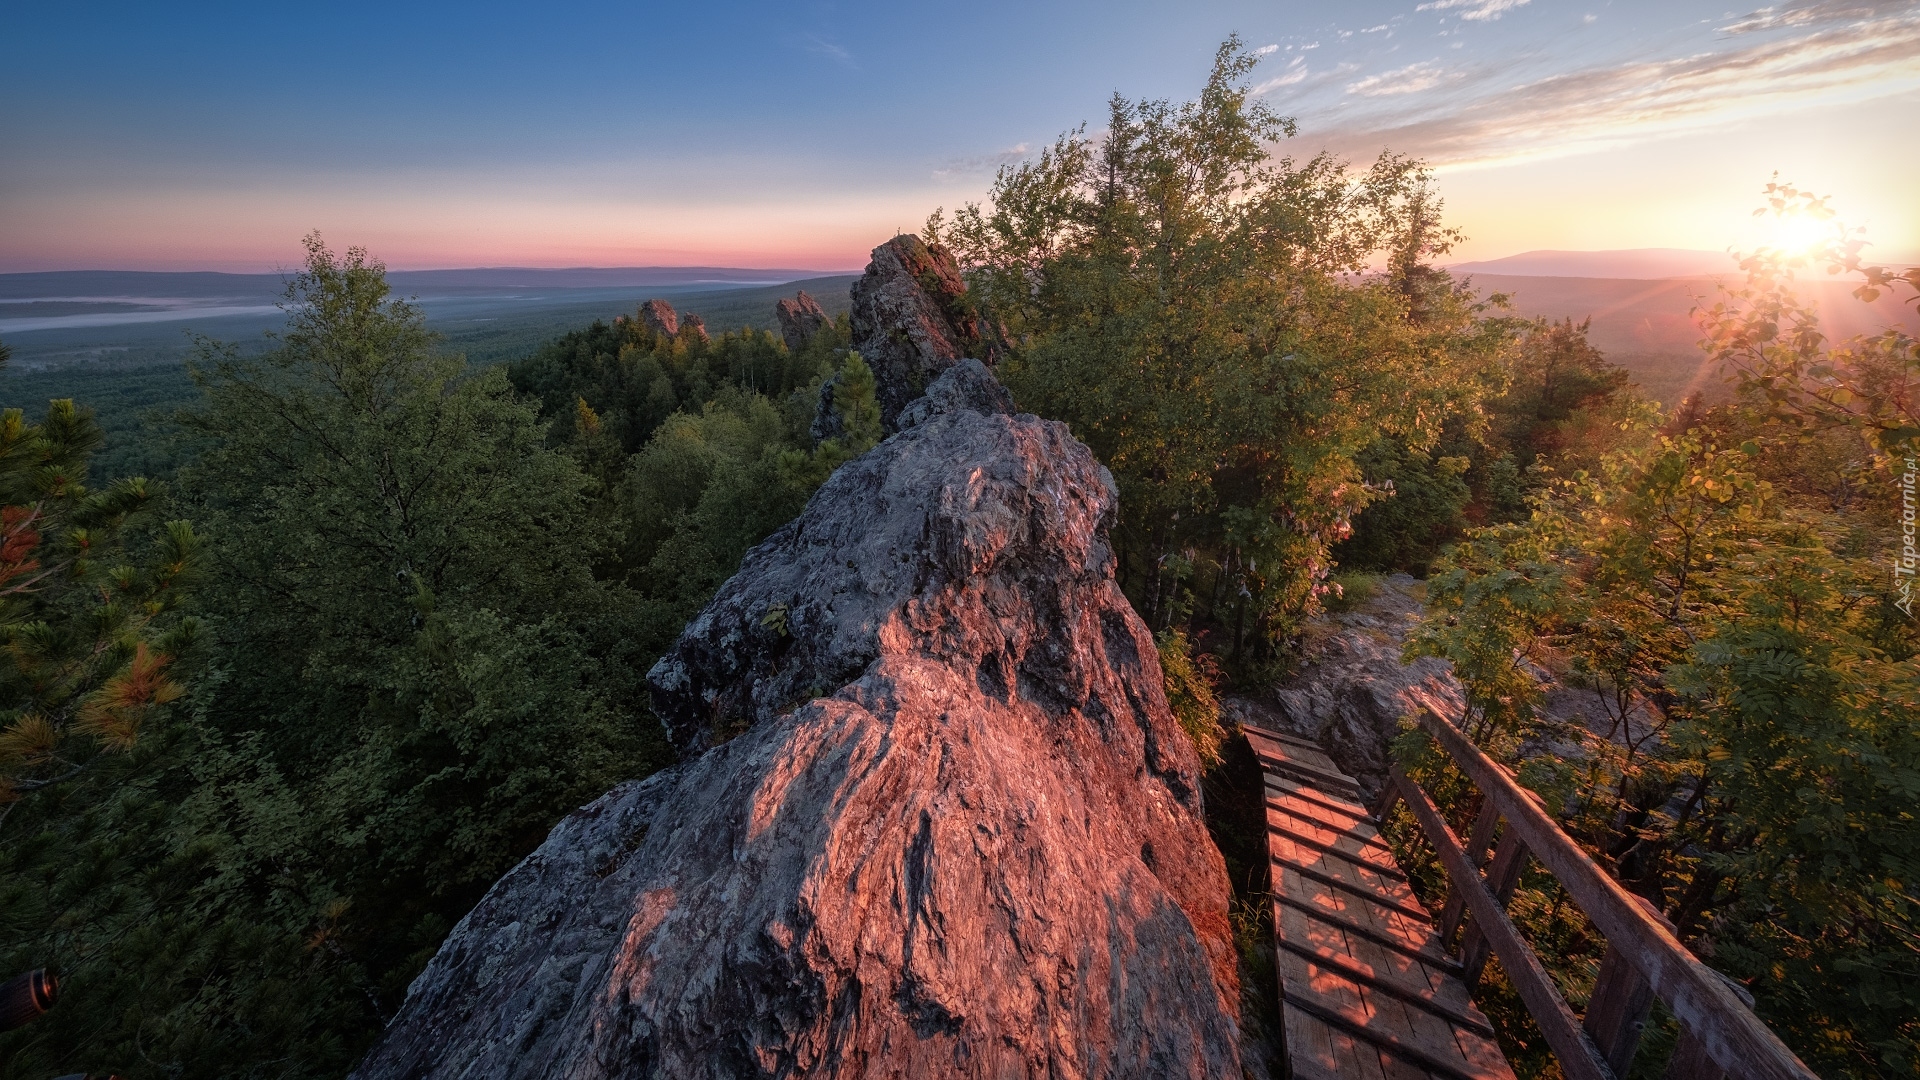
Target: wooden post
[(1734, 1038), (1579, 1059), (1621, 1002), (1502, 875), (1389, 796), (1477, 842), (1691, 1059)]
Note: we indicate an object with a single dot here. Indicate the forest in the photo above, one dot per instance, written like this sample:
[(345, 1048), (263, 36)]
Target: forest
[(274, 718)]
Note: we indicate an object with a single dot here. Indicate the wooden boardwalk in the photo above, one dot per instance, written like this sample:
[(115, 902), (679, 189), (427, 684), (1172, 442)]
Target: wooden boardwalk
[(1366, 987)]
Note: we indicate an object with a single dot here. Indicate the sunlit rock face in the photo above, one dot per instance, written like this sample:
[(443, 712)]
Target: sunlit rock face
[(659, 317), (800, 317), (912, 319), (933, 817)]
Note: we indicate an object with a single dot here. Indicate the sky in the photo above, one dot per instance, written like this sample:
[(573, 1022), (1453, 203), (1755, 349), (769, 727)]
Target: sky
[(188, 136)]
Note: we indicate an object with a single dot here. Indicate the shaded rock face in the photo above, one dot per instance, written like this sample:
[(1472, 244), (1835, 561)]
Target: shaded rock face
[(696, 325), (1352, 688), (912, 319), (933, 816), (660, 318), (800, 319)]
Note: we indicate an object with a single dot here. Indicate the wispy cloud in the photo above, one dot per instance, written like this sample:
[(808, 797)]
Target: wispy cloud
[(983, 163), (1476, 10), (1807, 14), (820, 46), (1478, 116), (1295, 73), (1411, 79)]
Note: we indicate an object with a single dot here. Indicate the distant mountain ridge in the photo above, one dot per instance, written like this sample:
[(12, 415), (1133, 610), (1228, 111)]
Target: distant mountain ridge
[(200, 283), (1631, 263)]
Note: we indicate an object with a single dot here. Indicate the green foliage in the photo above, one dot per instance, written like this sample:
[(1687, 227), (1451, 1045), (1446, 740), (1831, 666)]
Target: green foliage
[(1751, 758), (90, 595), (1188, 304), (1351, 590), (1190, 679), (412, 673), (633, 379), (1561, 409)]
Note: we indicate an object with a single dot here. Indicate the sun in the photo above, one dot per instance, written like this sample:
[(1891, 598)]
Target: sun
[(1793, 234)]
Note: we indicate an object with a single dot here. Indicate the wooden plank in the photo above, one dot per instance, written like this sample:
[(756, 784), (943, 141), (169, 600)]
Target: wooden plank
[(1366, 990), (1414, 1000), (1323, 770), (1334, 782), (1397, 974), (1365, 976), (1503, 874), (1336, 851), (1579, 1059), (1366, 834), (1690, 1060), (1297, 984), (1391, 941), (1289, 787), (1317, 826), (1477, 842), (1731, 1035), (1310, 922), (1400, 1044), (1621, 1001), (1361, 891), (1384, 939), (1283, 737)]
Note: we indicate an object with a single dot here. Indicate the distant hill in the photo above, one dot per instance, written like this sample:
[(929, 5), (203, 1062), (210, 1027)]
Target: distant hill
[(491, 314), (1640, 263), (1647, 326), (200, 285)]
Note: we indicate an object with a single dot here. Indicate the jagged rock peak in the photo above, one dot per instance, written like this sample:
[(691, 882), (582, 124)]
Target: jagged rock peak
[(800, 318), (660, 318), (912, 318), (933, 816), (695, 325)]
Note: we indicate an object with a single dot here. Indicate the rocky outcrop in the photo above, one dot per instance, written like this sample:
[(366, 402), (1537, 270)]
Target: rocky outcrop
[(933, 816), (659, 317), (800, 319), (912, 319), (1352, 687), (694, 325)]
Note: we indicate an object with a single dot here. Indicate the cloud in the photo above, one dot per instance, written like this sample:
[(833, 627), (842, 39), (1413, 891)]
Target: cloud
[(1819, 11), (1266, 50), (1411, 79), (1479, 117), (821, 47), (983, 163), (1477, 10)]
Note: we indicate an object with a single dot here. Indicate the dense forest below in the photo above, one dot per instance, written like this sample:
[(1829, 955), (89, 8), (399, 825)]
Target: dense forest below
[(269, 728)]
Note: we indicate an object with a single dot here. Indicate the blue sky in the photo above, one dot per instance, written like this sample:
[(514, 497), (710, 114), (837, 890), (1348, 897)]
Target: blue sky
[(212, 136)]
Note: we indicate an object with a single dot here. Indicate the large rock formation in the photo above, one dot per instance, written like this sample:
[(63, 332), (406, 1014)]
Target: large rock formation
[(933, 816), (800, 319), (695, 325), (659, 317), (912, 319)]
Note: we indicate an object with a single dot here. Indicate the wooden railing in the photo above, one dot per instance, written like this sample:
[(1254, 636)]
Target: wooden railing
[(1719, 1034)]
